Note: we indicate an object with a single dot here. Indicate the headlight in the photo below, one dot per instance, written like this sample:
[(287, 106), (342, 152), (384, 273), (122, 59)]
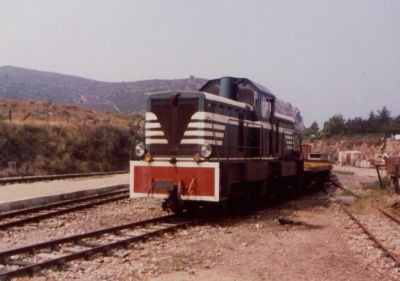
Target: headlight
[(140, 149), (205, 150)]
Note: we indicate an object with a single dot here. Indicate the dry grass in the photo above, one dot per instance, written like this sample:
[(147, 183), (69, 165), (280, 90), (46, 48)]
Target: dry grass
[(180, 260), (371, 202), (375, 197), (43, 113)]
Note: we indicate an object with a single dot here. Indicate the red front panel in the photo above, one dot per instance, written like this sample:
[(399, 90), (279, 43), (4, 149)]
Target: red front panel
[(203, 184)]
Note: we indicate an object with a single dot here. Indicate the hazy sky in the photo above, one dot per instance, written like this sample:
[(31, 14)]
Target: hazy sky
[(325, 57)]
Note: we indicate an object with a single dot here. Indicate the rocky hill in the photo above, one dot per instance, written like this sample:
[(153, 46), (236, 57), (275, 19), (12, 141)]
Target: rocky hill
[(124, 97), (20, 83)]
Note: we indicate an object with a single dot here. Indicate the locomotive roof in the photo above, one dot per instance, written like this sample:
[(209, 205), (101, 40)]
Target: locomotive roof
[(208, 96), (257, 87)]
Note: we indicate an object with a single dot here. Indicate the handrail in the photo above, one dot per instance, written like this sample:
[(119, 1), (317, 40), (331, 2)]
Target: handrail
[(245, 147), (214, 134)]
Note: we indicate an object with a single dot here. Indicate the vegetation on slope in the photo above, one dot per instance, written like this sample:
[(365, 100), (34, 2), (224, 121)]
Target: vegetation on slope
[(57, 150), (57, 139)]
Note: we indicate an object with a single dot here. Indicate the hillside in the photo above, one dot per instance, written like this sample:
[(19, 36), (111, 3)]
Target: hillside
[(20, 83), (124, 97), (28, 112)]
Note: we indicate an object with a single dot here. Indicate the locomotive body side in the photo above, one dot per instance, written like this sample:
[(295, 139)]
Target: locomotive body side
[(206, 147)]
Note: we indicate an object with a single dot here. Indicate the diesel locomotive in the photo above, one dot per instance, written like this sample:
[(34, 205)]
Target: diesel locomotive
[(220, 143)]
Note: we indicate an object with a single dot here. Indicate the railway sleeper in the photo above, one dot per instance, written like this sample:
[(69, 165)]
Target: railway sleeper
[(89, 245), (72, 250)]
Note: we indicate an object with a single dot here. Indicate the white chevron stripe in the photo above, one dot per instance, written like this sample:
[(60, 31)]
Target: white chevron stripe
[(156, 141), (150, 116), (202, 115), (202, 125), (200, 141), (154, 133), (200, 133), (152, 125)]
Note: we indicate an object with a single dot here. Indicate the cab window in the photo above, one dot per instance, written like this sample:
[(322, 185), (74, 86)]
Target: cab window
[(246, 94), (265, 108)]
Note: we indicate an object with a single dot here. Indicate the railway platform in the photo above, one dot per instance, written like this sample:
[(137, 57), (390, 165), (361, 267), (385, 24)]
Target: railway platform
[(24, 195)]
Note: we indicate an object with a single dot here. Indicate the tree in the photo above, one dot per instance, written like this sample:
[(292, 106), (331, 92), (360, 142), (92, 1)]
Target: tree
[(356, 126), (312, 130), (384, 115), (372, 117), (395, 127), (334, 126), (383, 121)]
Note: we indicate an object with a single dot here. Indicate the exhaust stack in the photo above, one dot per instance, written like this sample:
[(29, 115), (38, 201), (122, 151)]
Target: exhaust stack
[(228, 88)]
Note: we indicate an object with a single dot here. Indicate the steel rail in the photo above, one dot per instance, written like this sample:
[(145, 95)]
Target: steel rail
[(61, 203), (74, 238), (365, 229), (57, 212), (337, 184), (379, 244), (390, 216), (85, 253), (56, 177)]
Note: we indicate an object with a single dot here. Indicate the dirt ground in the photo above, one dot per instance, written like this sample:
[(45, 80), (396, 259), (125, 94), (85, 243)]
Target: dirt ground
[(308, 238)]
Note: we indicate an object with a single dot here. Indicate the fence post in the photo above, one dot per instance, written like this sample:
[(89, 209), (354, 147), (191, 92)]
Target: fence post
[(379, 176)]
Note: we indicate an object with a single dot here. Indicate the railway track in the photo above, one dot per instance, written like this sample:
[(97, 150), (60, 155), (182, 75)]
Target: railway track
[(56, 253), (391, 227), (55, 177), (390, 216), (35, 214), (335, 182), (389, 247)]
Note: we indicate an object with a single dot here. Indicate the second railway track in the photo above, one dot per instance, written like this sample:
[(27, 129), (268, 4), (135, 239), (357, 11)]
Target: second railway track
[(30, 259), (374, 229), (36, 214)]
